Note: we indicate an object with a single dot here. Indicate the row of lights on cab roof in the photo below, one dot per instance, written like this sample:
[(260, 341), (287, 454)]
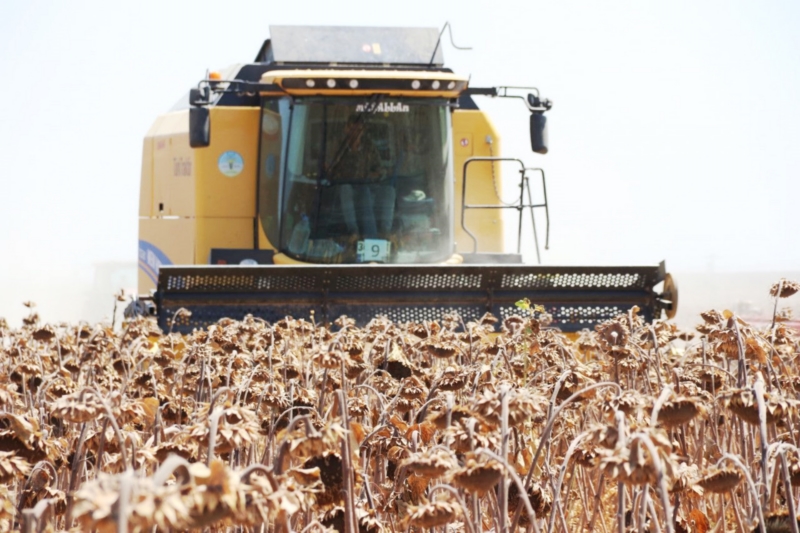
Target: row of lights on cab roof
[(331, 83), (353, 84)]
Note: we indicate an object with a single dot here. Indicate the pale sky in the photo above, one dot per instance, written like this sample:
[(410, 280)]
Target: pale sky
[(672, 134)]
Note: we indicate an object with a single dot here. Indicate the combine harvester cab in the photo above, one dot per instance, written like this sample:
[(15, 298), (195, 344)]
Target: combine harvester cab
[(346, 171)]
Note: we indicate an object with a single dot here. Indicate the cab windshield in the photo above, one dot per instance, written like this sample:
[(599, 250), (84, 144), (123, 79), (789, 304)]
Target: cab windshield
[(365, 180)]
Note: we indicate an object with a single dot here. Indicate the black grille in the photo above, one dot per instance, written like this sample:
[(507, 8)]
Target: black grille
[(362, 282), (574, 280), (575, 297)]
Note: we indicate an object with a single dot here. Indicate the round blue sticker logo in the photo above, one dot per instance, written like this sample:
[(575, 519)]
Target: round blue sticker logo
[(230, 163)]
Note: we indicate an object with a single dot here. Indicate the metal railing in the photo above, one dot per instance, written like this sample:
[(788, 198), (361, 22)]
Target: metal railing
[(520, 206)]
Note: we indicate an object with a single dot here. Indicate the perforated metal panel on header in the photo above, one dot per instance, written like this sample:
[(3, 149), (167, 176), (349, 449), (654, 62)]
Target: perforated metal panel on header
[(235, 282), (574, 317), (407, 281), (576, 297), (577, 280)]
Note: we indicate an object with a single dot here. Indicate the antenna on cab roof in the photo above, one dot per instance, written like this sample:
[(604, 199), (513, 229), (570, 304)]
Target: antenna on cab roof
[(439, 40)]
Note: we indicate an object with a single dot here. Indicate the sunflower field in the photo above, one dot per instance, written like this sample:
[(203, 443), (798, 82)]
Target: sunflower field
[(444, 426)]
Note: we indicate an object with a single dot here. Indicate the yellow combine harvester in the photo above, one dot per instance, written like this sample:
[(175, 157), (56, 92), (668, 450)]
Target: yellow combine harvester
[(346, 171)]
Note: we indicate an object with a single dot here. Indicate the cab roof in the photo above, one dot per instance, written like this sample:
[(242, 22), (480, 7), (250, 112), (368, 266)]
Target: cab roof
[(352, 45)]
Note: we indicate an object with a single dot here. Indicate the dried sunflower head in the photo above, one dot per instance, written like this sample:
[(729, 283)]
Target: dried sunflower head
[(720, 480), (630, 466), (357, 406), (522, 404), (685, 478), (539, 495), (576, 380), (432, 463), (273, 395), (678, 411), (488, 319), (743, 403), (150, 506), (44, 334), (710, 378), (457, 414), (441, 348), (604, 435), (188, 451), (413, 388), (397, 364), (478, 475), (353, 369), (613, 333), (778, 522), (784, 288), (330, 474), (12, 468), (633, 464), (368, 522), (432, 514), (451, 380), (80, 406), (464, 440), (236, 427), (513, 325), (629, 402), (328, 359)]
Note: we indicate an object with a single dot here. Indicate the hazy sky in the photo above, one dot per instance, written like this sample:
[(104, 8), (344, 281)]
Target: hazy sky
[(673, 133)]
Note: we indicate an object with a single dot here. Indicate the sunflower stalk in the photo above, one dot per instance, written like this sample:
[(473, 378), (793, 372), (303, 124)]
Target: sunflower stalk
[(562, 472), (110, 418), (787, 489), (543, 439), (213, 422), (78, 460), (753, 491), (502, 496), (775, 307), (351, 522), (33, 519), (523, 493), (661, 480), (758, 391)]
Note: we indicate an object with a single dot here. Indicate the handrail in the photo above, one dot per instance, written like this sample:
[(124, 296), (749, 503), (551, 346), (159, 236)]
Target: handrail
[(525, 189)]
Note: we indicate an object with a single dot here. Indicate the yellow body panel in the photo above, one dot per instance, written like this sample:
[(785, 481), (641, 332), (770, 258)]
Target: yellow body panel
[(173, 180), (146, 183), (188, 182), (163, 241), (233, 129), (470, 131), (221, 233), (188, 205)]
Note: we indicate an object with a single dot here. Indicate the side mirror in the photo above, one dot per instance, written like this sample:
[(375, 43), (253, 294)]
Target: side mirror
[(537, 108), (539, 132), (199, 127), (197, 97)]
